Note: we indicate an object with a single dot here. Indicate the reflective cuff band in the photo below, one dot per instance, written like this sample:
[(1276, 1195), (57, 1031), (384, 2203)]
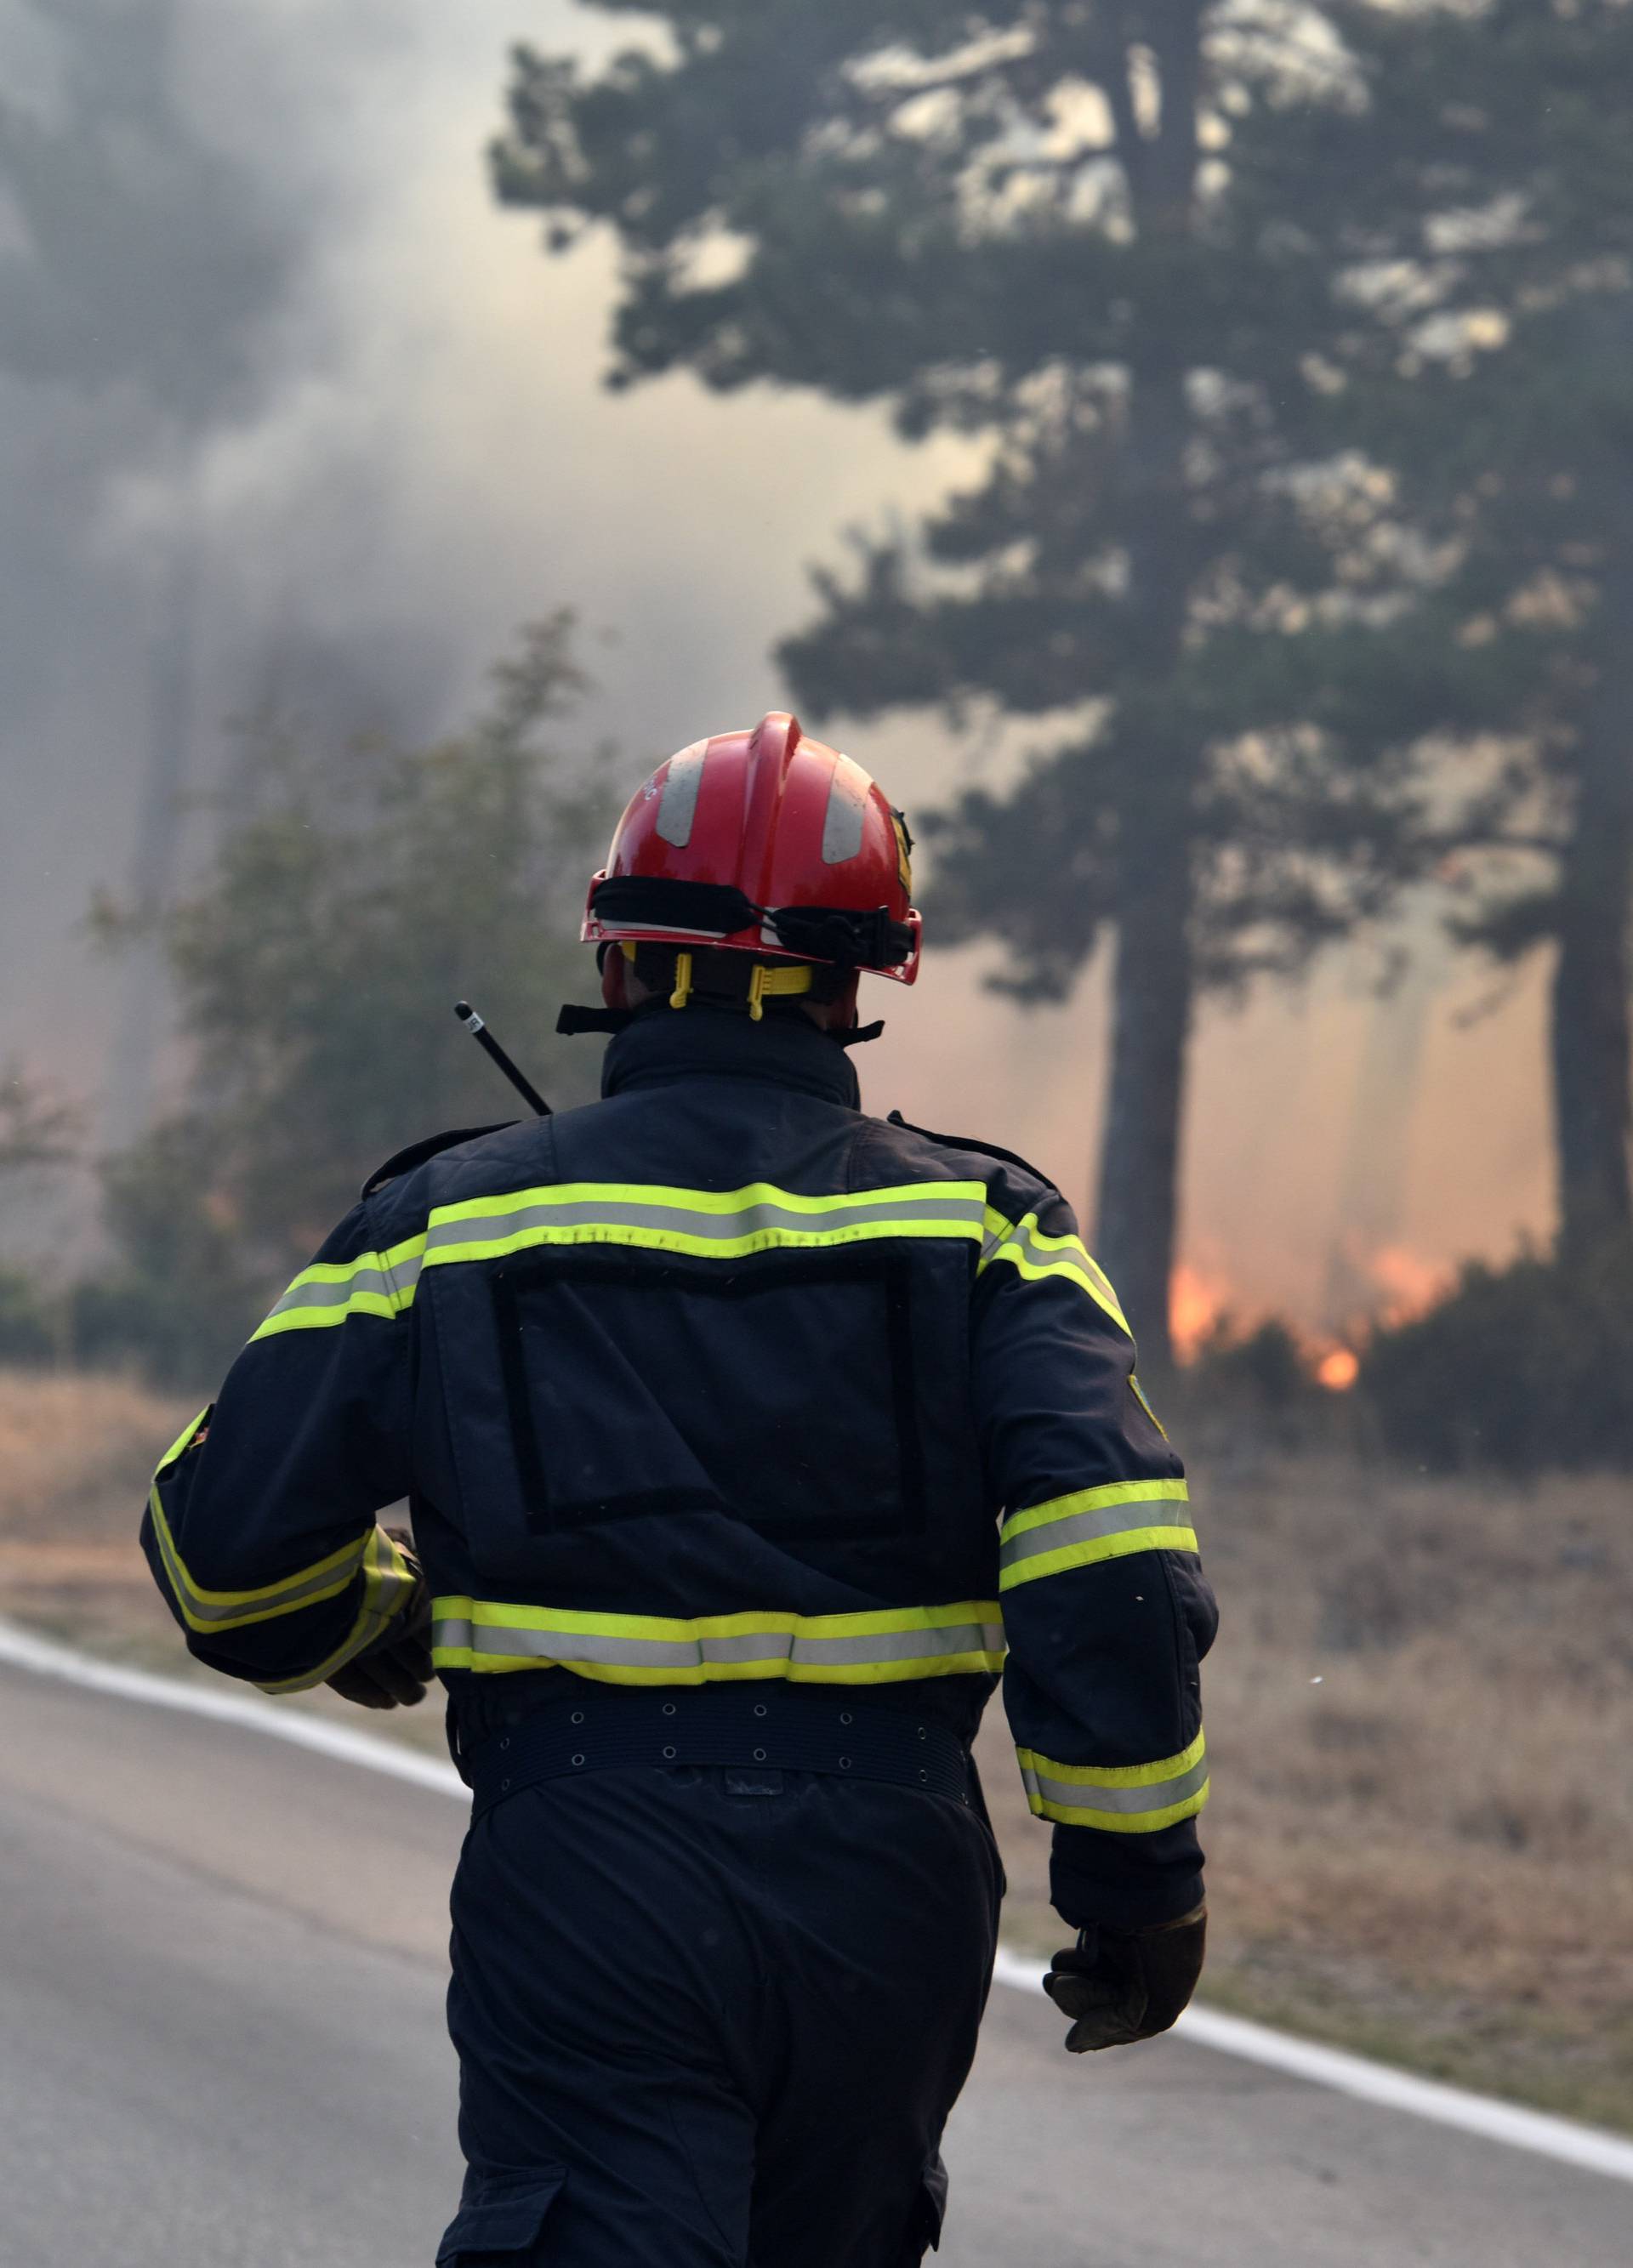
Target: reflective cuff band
[(1039, 1258), (1122, 1799), (719, 1225), (389, 1584), (1092, 1524), (867, 1649), (202, 1609)]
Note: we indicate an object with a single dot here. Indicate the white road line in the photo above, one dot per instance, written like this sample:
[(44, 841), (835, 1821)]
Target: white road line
[(1589, 2147), (1574, 2145), (21, 1649)]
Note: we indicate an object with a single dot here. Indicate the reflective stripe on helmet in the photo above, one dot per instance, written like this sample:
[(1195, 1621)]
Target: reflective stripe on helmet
[(1092, 1524), (878, 1648), (1122, 1799), (762, 842)]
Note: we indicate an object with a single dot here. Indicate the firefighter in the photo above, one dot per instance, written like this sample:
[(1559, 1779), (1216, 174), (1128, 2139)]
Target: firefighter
[(746, 1440)]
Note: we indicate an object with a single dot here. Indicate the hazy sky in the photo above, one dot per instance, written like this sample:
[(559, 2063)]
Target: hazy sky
[(363, 408)]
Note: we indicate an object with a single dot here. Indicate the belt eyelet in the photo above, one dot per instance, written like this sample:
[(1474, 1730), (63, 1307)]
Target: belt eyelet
[(578, 1760), (668, 1708), (505, 1741), (845, 1717), (845, 1763), (504, 1784), (578, 1716), (759, 1708), (668, 1755), (759, 1756)]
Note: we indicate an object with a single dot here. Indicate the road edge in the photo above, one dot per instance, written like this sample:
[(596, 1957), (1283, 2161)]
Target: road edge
[(1589, 2148)]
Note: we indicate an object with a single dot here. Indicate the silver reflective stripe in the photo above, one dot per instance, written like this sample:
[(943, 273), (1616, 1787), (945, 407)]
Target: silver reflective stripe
[(593, 1213), (264, 1607), (1094, 1527), (1074, 1255), (460, 1633), (1092, 1795), (302, 1295), (902, 1646), (846, 814), (679, 804)]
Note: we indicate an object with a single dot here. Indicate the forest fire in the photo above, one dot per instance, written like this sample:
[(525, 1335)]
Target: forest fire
[(1409, 1284), (1196, 1301), (1338, 1369), (1398, 1283)]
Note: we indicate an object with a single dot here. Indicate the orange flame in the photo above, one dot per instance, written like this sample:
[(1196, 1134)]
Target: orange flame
[(1196, 1303), (1410, 1284), (1338, 1370)]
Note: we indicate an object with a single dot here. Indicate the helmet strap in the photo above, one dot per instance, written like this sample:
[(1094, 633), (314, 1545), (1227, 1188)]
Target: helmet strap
[(764, 981)]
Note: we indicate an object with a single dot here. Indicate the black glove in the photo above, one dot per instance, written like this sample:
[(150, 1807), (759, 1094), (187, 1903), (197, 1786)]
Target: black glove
[(395, 1672), (1124, 1985)]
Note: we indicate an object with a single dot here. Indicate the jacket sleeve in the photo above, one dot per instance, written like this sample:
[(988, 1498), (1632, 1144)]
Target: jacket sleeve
[(260, 1525), (1107, 1613)]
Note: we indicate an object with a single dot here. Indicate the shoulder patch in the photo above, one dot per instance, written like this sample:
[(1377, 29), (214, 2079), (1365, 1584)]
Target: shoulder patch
[(416, 1153), (982, 1149)]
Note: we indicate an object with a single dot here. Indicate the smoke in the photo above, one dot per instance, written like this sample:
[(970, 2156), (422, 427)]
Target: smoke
[(291, 415)]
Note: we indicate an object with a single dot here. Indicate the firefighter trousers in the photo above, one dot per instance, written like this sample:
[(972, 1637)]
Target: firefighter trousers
[(711, 2017)]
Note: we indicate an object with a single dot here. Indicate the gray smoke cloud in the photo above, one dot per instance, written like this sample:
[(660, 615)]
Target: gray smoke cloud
[(292, 415)]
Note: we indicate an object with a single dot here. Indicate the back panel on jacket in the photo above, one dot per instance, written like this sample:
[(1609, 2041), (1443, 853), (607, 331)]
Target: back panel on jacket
[(717, 1379)]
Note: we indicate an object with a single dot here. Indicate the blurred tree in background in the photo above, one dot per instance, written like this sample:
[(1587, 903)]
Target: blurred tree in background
[(1027, 224), (1485, 205), (316, 966), (40, 1130)]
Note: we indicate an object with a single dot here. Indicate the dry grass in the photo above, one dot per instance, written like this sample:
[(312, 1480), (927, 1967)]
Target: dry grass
[(1421, 1842)]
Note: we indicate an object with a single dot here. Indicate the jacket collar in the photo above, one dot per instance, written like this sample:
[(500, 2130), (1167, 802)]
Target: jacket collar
[(699, 1042)]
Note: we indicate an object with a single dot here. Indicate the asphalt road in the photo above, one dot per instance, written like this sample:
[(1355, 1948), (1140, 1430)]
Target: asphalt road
[(221, 2046)]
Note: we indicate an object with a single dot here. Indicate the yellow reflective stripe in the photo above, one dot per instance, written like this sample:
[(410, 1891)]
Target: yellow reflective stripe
[(1090, 1525), (202, 1609), (183, 1440), (1039, 1258), (720, 1202), (387, 1586), (373, 1284), (879, 1647), (1091, 1551), (1121, 1799), (713, 1224), (709, 1224), (1105, 1497)]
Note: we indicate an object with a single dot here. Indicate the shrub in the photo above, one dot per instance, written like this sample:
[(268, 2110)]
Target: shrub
[(1524, 1368), (30, 1327)]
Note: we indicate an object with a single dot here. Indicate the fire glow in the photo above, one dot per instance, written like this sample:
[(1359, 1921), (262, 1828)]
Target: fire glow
[(1401, 1286)]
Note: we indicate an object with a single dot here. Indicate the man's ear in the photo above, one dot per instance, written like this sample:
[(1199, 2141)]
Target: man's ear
[(614, 968)]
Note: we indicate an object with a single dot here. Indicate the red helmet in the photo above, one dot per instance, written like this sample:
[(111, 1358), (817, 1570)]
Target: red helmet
[(765, 843)]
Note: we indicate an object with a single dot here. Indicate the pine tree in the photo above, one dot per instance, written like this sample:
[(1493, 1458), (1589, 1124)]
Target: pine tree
[(1025, 224), (1487, 236)]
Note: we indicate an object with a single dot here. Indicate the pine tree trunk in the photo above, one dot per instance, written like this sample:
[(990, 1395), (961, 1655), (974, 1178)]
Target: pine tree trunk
[(1137, 1213), (1592, 1057), (1138, 1204)]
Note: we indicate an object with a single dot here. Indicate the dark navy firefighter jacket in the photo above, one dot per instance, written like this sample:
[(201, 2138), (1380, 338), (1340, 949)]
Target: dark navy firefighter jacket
[(718, 1378)]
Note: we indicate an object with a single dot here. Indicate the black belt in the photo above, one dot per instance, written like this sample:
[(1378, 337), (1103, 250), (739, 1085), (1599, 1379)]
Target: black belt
[(781, 1727)]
